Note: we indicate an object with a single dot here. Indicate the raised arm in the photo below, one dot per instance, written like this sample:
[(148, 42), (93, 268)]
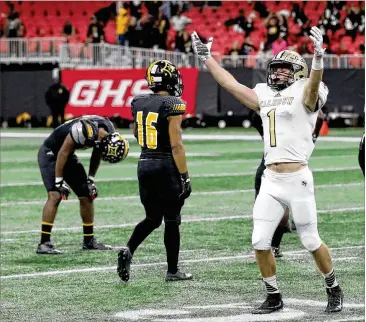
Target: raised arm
[(241, 92), (311, 90)]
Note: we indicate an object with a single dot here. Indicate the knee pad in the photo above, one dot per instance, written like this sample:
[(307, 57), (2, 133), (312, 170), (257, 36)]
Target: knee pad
[(311, 242), (259, 241), (177, 220)]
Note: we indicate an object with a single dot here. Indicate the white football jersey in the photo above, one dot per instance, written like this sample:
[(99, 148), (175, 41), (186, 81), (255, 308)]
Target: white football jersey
[(287, 123)]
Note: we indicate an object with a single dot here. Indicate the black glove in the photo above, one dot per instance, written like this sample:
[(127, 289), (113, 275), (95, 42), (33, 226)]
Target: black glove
[(186, 186), (93, 190), (62, 187)]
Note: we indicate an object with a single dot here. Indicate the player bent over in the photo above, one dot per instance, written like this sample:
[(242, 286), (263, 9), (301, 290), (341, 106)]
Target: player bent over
[(61, 170), (288, 105), (284, 225), (162, 172)]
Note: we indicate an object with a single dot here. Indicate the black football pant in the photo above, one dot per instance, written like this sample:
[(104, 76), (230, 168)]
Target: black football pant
[(160, 187), (361, 155), (282, 227)]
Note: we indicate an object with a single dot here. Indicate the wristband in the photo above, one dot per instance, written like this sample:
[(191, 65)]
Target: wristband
[(58, 179), (318, 63)]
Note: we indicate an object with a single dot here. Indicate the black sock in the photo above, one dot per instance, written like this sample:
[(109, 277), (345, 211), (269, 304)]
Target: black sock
[(277, 236), (141, 231), (46, 231), (172, 245), (88, 232)]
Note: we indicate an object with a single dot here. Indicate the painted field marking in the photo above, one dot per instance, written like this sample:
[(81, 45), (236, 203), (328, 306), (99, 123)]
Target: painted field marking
[(198, 219), (202, 193), (204, 175), (192, 137), (201, 260)]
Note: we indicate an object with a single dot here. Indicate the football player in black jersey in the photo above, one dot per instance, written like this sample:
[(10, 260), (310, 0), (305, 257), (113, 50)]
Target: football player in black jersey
[(283, 226), (61, 170), (163, 177)]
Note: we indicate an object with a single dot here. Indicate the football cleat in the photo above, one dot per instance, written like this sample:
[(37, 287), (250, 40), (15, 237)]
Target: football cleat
[(335, 300), (178, 276), (124, 264), (272, 303), (47, 248), (277, 252), (94, 245)]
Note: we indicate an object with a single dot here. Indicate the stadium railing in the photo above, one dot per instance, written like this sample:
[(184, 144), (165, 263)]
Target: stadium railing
[(83, 55), (37, 50)]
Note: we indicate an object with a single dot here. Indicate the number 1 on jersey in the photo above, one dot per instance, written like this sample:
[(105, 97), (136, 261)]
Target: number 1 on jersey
[(151, 134), (272, 127)]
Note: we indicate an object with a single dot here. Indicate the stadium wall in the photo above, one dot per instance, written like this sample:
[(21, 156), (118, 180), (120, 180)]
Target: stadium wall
[(109, 92)]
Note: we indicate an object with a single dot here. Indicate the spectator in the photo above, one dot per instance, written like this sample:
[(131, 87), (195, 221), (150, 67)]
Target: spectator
[(123, 20), (301, 20), (179, 5), (261, 8), (147, 31), (272, 24), (136, 9), (134, 33), (103, 15), (303, 49), (331, 18), (12, 23), (68, 29), (162, 25), (95, 35), (279, 44), (354, 23), (153, 7), (234, 51), (180, 21), (199, 4), (183, 42), (246, 24), (247, 47)]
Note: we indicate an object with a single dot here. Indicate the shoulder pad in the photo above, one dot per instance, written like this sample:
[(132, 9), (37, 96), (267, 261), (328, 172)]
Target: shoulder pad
[(174, 106), (83, 132)]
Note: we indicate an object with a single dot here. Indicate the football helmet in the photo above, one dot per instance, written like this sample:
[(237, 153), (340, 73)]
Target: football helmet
[(114, 148), (286, 59), (162, 75)]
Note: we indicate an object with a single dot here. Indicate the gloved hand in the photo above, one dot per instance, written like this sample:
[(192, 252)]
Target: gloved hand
[(200, 49), (317, 38), (314, 138), (62, 187), (93, 190), (186, 186)]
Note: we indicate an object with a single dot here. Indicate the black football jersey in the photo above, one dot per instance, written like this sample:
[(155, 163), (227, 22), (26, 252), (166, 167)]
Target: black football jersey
[(150, 113), (84, 134)]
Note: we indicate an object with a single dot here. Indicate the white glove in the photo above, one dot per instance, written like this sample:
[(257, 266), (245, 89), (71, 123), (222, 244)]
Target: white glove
[(200, 49), (317, 38)]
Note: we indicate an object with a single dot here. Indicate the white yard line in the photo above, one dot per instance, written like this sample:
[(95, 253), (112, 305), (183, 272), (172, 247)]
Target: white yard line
[(202, 193), (187, 261), (193, 137), (198, 219), (204, 175)]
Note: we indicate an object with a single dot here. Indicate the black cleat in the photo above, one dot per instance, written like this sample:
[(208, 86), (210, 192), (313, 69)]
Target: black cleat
[(335, 300), (124, 264), (47, 248), (272, 303), (277, 252), (178, 276), (93, 244)]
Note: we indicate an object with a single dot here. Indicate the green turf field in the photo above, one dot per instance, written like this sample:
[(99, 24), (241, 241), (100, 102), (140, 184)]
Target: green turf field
[(215, 246)]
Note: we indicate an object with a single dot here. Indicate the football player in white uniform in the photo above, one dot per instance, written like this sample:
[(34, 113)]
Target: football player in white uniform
[(288, 104)]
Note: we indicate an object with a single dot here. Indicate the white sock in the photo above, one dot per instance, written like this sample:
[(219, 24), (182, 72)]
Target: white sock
[(330, 279), (271, 284)]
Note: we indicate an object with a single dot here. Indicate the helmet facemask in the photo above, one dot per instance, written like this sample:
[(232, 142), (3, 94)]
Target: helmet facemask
[(274, 76)]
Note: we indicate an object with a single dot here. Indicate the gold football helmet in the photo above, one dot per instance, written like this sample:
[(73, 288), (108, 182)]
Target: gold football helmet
[(286, 59)]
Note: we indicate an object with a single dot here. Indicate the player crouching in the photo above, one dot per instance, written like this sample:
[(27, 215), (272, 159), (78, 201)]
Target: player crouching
[(61, 170)]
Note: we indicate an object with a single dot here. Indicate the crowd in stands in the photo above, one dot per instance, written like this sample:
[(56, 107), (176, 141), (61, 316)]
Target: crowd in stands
[(258, 27)]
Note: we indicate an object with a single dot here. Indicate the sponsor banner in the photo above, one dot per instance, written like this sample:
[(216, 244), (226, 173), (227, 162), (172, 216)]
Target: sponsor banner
[(110, 92)]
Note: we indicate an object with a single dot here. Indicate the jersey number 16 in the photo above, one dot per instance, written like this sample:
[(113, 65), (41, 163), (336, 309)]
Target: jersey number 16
[(150, 139)]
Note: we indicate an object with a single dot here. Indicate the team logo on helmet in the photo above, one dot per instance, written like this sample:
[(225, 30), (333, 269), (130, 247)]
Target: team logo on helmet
[(162, 75), (290, 60), (114, 148)]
